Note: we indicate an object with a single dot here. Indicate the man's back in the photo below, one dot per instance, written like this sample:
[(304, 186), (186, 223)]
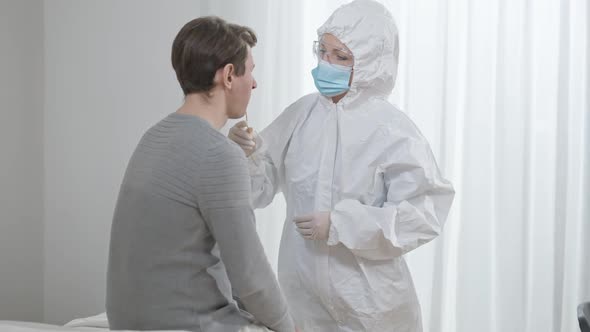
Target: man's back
[(186, 188)]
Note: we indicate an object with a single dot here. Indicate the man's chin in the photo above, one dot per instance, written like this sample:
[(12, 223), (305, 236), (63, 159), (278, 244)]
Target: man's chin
[(236, 116)]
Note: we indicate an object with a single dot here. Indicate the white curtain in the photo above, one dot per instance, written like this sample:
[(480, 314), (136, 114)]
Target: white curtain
[(501, 89)]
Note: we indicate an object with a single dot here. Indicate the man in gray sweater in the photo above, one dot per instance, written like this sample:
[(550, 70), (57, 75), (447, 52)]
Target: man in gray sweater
[(183, 239)]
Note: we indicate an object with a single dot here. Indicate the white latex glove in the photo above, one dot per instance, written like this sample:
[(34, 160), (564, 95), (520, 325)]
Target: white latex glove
[(315, 226), (244, 136)]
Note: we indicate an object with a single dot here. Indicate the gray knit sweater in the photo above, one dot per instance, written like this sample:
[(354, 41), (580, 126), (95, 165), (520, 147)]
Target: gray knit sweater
[(183, 237)]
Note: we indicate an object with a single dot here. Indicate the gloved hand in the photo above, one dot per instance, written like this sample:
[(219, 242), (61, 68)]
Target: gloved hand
[(243, 136), (315, 226)]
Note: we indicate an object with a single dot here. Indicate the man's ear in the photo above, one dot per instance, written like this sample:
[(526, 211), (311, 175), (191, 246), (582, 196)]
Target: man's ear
[(227, 75)]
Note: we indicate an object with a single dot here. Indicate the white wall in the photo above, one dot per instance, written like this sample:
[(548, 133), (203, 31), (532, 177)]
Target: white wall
[(108, 78), (21, 159)]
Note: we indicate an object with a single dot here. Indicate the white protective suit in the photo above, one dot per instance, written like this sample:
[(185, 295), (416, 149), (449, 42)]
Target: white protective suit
[(367, 163)]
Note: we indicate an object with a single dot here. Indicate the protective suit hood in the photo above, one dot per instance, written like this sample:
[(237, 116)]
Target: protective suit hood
[(369, 31)]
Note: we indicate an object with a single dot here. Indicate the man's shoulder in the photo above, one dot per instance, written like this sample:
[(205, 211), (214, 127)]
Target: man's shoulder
[(228, 149), (197, 140), (220, 150), (204, 140)]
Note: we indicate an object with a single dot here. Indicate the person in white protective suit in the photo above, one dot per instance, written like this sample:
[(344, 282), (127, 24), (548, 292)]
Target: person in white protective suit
[(360, 181)]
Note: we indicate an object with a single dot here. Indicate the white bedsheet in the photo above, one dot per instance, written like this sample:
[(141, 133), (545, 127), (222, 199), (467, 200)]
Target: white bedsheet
[(96, 323)]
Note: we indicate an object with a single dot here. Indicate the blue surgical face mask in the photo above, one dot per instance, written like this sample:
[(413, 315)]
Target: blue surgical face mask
[(330, 79)]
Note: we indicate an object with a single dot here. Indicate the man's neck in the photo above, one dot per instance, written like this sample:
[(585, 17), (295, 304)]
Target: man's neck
[(210, 107)]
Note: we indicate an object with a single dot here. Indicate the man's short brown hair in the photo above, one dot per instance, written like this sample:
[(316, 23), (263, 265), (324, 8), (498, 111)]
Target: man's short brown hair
[(206, 44)]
